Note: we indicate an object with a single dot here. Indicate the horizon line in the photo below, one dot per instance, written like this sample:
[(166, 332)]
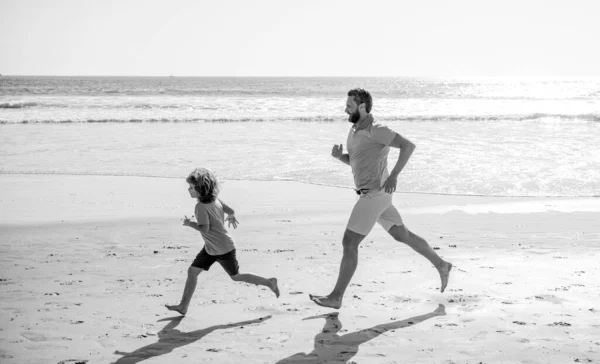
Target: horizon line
[(314, 76)]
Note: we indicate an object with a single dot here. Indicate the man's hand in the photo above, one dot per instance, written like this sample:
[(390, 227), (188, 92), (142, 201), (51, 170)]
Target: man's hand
[(231, 220), (390, 184), (337, 151)]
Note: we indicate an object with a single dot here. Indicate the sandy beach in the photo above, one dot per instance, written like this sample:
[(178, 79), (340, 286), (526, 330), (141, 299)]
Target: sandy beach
[(87, 263)]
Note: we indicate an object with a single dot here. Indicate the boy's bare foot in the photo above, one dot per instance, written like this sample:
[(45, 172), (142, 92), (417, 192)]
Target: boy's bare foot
[(273, 286), (330, 315), (326, 301), (178, 308), (444, 271)]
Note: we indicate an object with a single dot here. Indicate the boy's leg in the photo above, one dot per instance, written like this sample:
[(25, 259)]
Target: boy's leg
[(188, 291), (229, 262), (271, 283), (418, 244), (348, 266)]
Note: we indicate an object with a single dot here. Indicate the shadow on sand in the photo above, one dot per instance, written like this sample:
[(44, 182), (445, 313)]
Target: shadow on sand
[(170, 339), (332, 348)]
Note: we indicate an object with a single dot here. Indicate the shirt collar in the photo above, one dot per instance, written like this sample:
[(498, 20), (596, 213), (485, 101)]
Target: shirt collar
[(363, 124)]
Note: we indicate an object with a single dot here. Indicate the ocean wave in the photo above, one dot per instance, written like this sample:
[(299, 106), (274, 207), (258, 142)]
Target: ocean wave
[(534, 116), (322, 118), (501, 88), (464, 92), (18, 105), (299, 180), (67, 105)]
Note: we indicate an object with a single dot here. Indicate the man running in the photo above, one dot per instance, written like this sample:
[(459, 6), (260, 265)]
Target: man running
[(368, 146)]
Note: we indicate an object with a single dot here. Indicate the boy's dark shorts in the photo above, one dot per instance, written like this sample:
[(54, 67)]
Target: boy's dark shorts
[(228, 261)]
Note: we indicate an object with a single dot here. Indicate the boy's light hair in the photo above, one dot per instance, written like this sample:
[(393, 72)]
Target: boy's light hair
[(205, 183)]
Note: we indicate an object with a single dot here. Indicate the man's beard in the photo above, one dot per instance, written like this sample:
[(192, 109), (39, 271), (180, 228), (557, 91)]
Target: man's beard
[(354, 117)]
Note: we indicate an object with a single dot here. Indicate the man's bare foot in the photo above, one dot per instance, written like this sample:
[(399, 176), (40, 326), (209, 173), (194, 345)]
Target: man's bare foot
[(444, 271), (273, 286), (326, 301), (441, 310), (178, 308)]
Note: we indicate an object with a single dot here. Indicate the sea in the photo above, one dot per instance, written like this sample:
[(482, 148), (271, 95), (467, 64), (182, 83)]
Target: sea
[(483, 137)]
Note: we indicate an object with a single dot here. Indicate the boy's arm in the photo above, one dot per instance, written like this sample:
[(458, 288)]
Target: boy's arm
[(226, 208), (231, 219), (202, 222), (194, 225)]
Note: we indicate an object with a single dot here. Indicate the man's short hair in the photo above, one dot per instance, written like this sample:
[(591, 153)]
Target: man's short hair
[(362, 96)]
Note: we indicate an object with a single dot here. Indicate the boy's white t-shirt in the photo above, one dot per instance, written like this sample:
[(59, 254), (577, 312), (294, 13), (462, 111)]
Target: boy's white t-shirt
[(217, 241)]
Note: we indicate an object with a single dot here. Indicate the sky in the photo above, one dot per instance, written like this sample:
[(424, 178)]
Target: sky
[(437, 38)]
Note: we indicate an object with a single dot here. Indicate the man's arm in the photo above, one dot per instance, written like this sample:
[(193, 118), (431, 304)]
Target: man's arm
[(337, 152), (345, 158), (406, 150)]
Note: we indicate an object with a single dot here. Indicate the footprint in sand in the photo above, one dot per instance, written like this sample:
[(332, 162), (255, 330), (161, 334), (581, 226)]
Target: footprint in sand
[(279, 338), (507, 332), (479, 336), (400, 299), (107, 343), (69, 283), (32, 336), (560, 323), (549, 298)]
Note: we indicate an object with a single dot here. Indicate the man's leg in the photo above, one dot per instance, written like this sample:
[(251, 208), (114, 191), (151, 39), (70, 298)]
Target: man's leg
[(348, 265), (188, 291), (402, 234)]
